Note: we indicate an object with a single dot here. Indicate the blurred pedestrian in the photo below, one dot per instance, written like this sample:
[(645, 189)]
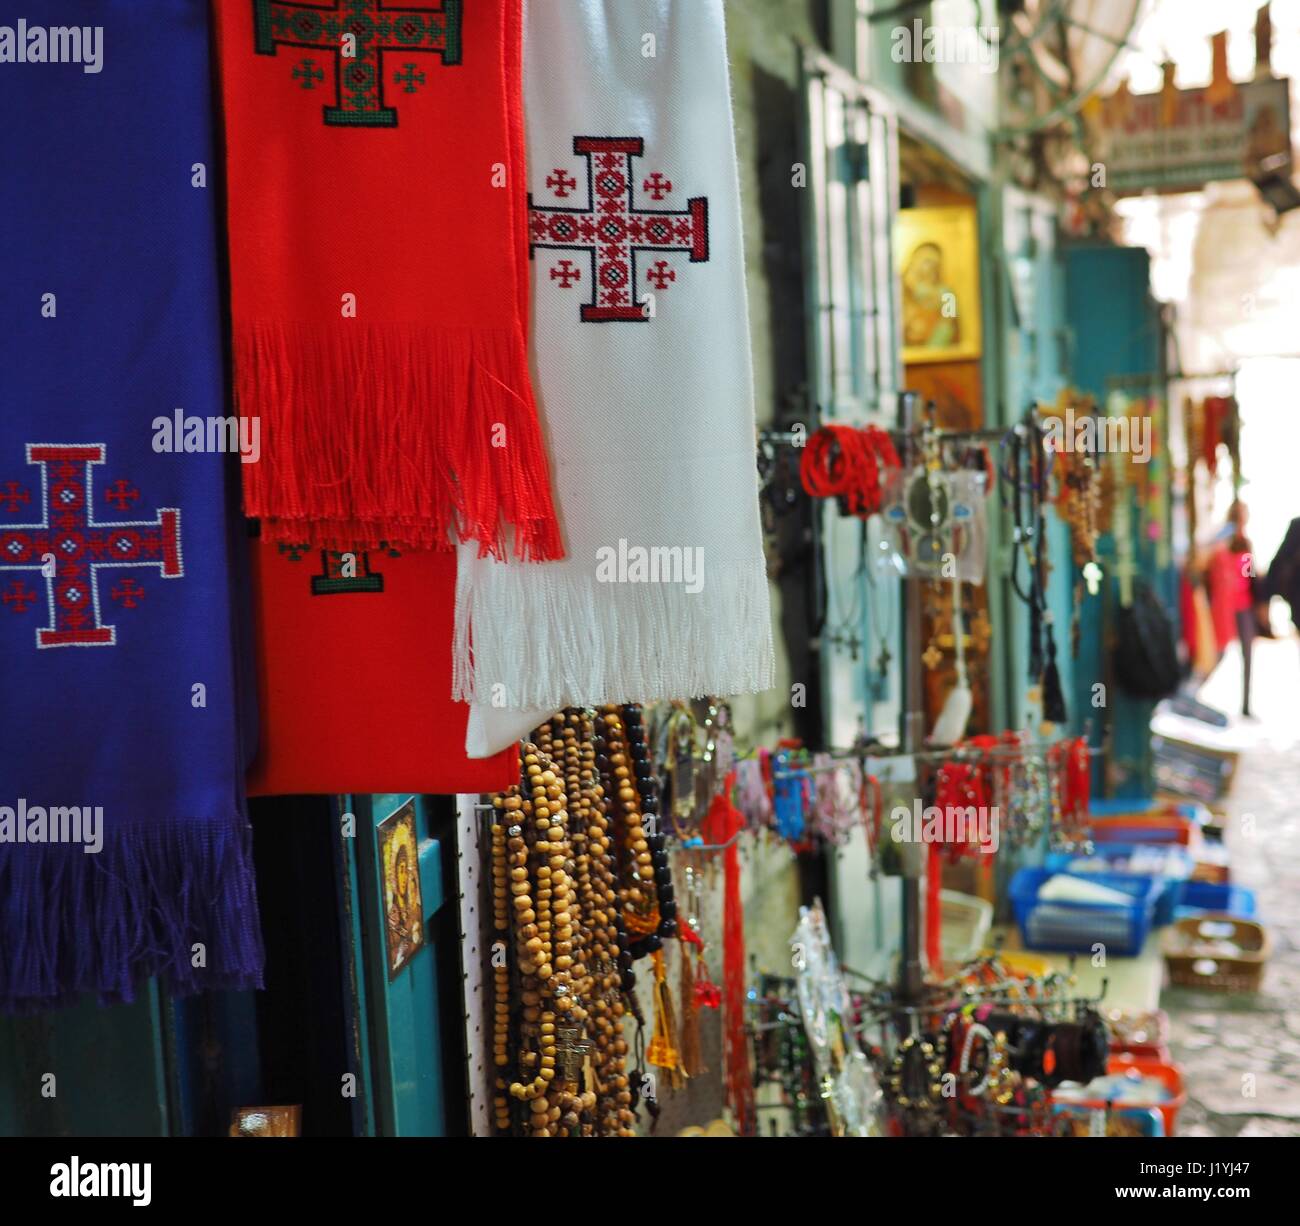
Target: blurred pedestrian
[(1230, 575)]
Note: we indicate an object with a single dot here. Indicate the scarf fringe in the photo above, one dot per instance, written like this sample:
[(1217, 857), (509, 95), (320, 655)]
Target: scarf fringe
[(75, 922), (397, 434), (549, 638)]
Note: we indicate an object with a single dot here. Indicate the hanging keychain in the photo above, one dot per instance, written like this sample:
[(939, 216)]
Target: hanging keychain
[(950, 727)]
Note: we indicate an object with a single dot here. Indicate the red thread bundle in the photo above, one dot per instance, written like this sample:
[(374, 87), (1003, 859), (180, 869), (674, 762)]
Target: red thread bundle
[(845, 462)]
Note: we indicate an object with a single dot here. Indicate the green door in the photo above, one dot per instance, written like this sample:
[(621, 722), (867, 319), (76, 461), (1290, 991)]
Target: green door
[(86, 1071)]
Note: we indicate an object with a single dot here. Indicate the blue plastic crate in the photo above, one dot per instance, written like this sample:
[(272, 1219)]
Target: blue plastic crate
[(1075, 927), (1192, 809), (1148, 1120), (1198, 897), (1175, 861)]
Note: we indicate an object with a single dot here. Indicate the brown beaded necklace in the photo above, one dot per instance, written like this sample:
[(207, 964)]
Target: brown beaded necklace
[(530, 879), (553, 889), (570, 740), (645, 880)]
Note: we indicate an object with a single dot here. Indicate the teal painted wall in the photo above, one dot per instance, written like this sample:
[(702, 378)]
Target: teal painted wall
[(1115, 331), (1033, 301)]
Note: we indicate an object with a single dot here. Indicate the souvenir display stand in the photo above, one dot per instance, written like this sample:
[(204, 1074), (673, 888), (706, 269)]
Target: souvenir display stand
[(474, 676)]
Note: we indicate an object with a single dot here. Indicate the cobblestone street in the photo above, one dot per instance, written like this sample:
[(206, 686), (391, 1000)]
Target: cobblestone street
[(1241, 1054)]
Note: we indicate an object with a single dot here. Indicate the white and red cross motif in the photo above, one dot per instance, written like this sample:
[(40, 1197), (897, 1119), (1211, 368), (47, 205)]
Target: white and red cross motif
[(613, 234), (82, 548)]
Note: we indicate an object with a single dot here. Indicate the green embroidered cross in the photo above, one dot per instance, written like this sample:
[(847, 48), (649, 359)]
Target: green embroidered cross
[(357, 33), (410, 78), (342, 571), (346, 571), (308, 74)]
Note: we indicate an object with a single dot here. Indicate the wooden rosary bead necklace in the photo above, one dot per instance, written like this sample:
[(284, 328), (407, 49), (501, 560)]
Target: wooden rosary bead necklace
[(560, 994), (570, 740), (645, 883)]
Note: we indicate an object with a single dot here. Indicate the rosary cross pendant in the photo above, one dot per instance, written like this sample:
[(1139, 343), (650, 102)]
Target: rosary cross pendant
[(572, 1048)]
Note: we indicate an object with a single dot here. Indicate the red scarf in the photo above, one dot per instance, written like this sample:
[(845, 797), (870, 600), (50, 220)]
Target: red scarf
[(352, 698), (378, 254)]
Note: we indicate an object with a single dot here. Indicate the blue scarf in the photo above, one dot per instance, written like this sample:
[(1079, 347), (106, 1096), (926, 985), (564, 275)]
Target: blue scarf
[(124, 840)]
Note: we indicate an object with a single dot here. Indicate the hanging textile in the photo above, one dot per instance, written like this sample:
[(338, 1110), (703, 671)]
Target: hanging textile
[(641, 352), (378, 244), (352, 698), (721, 826), (124, 843)]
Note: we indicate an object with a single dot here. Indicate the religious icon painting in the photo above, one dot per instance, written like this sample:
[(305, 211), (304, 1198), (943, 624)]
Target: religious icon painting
[(403, 904), (937, 254)]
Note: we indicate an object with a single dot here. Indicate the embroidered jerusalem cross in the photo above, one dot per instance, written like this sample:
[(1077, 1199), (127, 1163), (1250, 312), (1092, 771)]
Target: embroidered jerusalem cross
[(81, 547), (357, 33), (342, 571), (613, 233), (346, 572)]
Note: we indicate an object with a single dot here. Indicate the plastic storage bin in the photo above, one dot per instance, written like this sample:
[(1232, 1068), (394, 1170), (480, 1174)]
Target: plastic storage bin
[(1170, 1100), (1075, 927), (1198, 897), (1176, 806), (1146, 828), (1171, 863), (1142, 1032), (1147, 1121)]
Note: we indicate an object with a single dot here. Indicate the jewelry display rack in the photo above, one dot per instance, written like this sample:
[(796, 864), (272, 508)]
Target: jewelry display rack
[(912, 429), (897, 1007)]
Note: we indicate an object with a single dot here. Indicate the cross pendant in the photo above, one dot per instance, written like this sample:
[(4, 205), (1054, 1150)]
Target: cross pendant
[(880, 681), (571, 1048)]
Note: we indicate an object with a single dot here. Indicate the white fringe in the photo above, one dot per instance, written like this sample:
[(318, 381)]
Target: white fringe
[(545, 636)]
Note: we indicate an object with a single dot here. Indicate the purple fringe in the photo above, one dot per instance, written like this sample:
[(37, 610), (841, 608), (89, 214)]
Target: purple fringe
[(74, 923)]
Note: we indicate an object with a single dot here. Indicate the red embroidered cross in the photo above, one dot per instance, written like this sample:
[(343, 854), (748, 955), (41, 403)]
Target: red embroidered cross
[(356, 34), (128, 593), (660, 275), (14, 496), (19, 597), (80, 547), (560, 183), (565, 273), (121, 494), (611, 231), (657, 186)]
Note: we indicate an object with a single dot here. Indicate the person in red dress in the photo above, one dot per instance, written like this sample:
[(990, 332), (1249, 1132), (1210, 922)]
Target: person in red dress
[(1229, 575)]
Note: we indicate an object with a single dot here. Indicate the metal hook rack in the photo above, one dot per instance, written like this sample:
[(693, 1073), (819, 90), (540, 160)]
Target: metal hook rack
[(955, 753)]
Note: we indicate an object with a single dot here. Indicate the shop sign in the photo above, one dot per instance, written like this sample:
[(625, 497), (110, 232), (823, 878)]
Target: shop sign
[(1181, 139)]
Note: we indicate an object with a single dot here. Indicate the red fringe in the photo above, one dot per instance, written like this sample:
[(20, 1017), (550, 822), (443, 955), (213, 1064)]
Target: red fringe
[(722, 822), (412, 436), (934, 906)]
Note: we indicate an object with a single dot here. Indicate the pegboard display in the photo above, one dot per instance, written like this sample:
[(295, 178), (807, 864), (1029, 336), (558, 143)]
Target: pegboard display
[(474, 909)]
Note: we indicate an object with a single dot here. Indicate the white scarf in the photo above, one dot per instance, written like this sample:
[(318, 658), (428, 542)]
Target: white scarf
[(647, 402)]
